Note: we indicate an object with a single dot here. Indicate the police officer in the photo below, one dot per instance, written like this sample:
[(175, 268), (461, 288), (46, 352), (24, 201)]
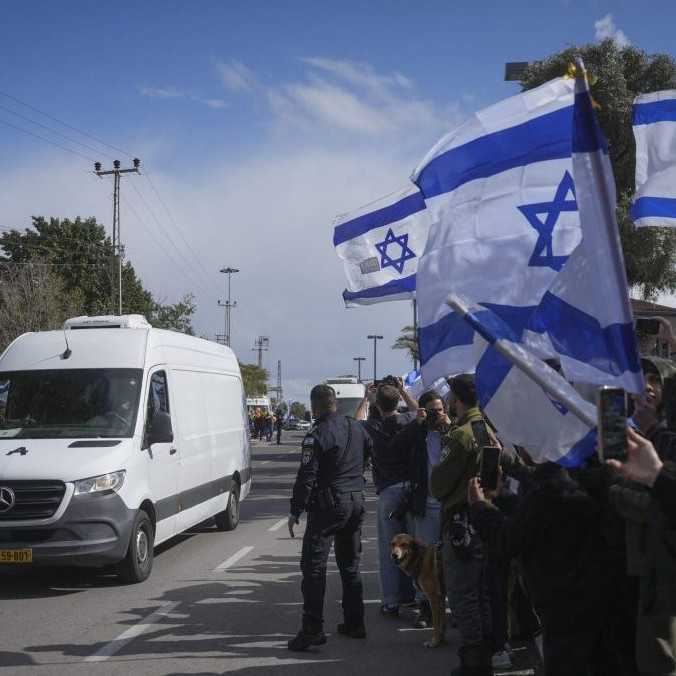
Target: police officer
[(330, 486)]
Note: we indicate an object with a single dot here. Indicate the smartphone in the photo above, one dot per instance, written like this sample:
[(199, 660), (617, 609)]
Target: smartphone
[(611, 407), (490, 462), (647, 326), (480, 432)]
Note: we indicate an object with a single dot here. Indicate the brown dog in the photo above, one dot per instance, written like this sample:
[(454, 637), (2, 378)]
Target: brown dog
[(423, 564)]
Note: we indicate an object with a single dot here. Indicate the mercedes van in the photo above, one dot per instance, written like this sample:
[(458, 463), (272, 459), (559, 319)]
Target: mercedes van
[(114, 437)]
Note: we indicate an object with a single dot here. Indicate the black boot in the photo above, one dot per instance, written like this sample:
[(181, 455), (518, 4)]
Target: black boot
[(475, 660), (303, 640), (352, 630)]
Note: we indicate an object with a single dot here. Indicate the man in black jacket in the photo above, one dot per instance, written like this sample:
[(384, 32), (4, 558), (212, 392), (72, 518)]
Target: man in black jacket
[(330, 486)]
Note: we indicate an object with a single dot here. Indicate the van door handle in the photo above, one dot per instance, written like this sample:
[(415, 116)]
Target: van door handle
[(172, 451)]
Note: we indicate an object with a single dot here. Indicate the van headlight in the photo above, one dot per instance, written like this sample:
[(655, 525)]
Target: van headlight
[(105, 482)]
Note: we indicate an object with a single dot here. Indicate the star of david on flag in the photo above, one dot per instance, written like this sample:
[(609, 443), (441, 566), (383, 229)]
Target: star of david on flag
[(543, 254), (388, 261)]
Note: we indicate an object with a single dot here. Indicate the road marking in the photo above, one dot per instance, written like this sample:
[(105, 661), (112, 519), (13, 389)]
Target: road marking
[(233, 559), (264, 462), (278, 525), (130, 634)]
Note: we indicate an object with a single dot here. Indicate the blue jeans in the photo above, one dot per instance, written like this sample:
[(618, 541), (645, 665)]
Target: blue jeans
[(427, 528), (394, 584)]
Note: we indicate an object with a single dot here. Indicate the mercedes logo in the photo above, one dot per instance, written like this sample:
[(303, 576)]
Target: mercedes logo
[(7, 499)]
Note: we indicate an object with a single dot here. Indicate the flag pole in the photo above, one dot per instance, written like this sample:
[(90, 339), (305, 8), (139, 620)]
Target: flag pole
[(415, 333)]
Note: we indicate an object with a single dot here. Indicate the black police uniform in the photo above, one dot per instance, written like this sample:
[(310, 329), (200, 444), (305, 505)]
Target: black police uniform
[(330, 486)]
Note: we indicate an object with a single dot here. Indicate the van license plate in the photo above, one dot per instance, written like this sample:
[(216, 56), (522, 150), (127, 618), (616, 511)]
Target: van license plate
[(16, 556)]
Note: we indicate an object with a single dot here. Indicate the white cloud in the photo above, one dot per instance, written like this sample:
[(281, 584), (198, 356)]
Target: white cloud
[(235, 76), (174, 93), (606, 28), (353, 97)]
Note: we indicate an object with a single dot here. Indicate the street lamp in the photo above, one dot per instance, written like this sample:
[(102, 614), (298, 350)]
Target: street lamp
[(228, 305), (359, 360), (375, 340)]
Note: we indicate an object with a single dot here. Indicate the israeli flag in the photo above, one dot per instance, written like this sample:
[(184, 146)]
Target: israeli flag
[(502, 201), (586, 312), (510, 379), (380, 245), (655, 134)]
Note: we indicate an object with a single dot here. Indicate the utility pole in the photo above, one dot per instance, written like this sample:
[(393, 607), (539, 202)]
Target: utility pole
[(228, 305), (278, 388), (262, 344), (375, 340), (118, 249), (359, 360)]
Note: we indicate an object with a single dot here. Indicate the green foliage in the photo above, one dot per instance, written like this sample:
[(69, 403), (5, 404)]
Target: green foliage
[(298, 410), (619, 75), (79, 258), (255, 380), (177, 317), (408, 341)]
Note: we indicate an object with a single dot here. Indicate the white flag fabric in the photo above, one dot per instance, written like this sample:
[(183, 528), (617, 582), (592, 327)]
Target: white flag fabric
[(380, 245), (655, 133), (586, 312), (501, 197), (560, 424)]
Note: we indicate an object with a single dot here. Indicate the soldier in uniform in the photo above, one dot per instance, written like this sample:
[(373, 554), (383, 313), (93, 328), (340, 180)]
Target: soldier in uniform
[(330, 487)]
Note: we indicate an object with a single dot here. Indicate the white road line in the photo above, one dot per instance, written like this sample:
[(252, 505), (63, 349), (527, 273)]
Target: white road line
[(278, 525), (233, 559), (130, 634), (264, 462)]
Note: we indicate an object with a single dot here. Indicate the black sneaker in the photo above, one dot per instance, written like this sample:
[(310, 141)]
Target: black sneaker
[(303, 641), (389, 610), (358, 631), (410, 603), (423, 619)]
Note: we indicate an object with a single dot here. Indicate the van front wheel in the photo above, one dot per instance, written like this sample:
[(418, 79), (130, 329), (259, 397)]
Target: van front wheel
[(228, 519), (138, 562)]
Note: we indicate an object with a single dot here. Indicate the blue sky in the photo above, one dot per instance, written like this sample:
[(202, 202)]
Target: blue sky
[(258, 123)]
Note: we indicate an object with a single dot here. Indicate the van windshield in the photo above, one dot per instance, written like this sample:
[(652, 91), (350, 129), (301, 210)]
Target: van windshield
[(348, 405), (82, 403)]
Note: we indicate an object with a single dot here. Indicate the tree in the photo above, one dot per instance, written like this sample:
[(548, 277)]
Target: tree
[(298, 410), (177, 317), (255, 380), (32, 298), (81, 257), (618, 76), (408, 341)]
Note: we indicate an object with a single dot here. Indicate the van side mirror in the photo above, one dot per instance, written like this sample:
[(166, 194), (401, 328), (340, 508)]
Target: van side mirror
[(160, 431)]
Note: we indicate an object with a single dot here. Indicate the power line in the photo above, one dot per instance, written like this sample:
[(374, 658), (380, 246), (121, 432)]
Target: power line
[(168, 235), (46, 140), (178, 229), (54, 131), (65, 124)]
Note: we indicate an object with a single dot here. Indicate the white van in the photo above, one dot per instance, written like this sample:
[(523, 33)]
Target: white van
[(349, 393), (114, 437)]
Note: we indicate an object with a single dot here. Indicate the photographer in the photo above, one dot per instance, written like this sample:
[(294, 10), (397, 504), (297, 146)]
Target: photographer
[(392, 481), (422, 441)]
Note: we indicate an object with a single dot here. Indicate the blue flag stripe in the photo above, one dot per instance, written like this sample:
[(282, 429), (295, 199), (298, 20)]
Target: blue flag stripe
[(587, 137), (578, 335), (544, 138), (656, 111), (654, 207), (396, 286), (411, 204), (583, 450), (454, 331)]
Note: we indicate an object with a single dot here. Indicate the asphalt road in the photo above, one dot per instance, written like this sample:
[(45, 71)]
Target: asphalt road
[(215, 603)]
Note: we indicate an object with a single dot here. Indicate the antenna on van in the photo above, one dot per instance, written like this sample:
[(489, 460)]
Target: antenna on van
[(67, 352)]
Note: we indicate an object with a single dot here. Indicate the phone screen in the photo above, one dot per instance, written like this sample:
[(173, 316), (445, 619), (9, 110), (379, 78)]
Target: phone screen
[(612, 429), (480, 432), (490, 461)]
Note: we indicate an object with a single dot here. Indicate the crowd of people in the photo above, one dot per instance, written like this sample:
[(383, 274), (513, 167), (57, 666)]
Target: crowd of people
[(582, 560), (262, 424)]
